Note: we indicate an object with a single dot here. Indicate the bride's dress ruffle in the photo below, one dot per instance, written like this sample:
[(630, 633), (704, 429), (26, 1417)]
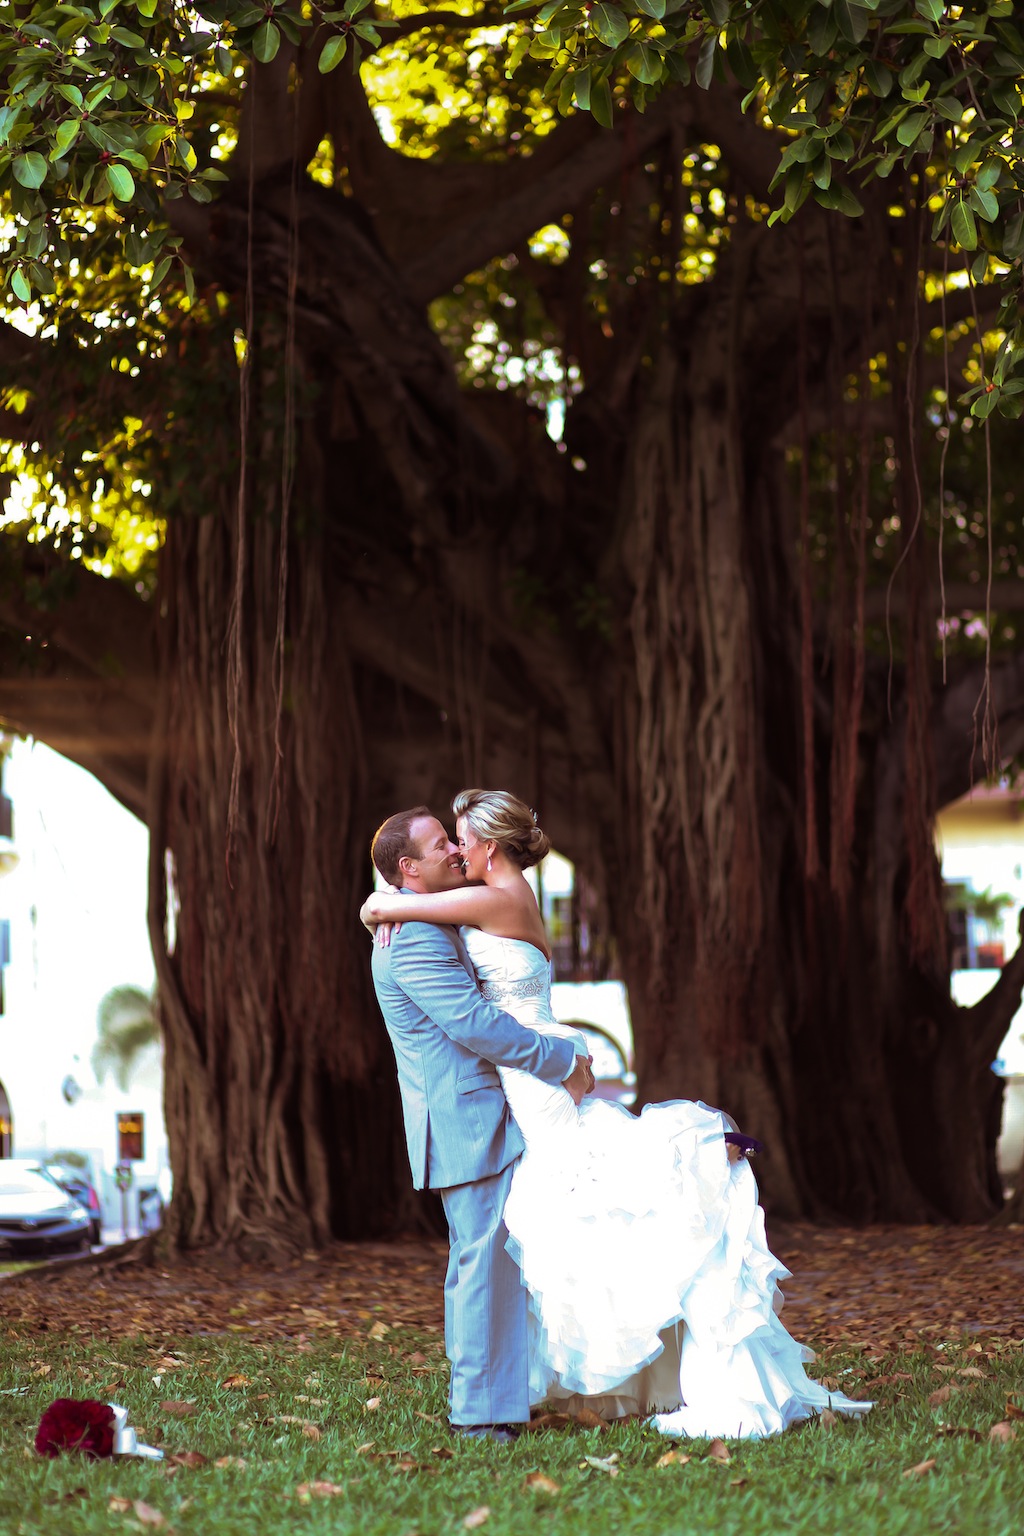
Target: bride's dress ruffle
[(643, 1248)]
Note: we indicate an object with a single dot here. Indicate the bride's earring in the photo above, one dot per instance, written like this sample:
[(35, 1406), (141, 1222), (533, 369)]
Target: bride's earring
[(488, 863)]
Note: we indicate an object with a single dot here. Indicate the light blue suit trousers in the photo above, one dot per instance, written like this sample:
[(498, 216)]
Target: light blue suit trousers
[(462, 1142)]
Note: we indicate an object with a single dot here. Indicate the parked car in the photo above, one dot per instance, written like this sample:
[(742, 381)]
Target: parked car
[(37, 1218), (74, 1182)]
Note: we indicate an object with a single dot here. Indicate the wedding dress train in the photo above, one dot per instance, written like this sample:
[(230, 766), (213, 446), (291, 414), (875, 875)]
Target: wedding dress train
[(652, 1287)]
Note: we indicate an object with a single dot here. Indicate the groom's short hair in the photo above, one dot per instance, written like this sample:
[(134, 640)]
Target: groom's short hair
[(393, 841)]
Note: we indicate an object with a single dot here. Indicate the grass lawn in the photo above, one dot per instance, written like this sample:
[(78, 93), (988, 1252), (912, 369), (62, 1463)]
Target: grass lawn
[(320, 1434)]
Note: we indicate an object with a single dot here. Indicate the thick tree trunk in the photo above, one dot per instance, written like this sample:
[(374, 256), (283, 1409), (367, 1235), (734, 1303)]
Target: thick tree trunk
[(754, 983), (281, 1108)]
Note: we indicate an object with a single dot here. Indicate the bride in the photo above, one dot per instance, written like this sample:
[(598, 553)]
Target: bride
[(641, 1242)]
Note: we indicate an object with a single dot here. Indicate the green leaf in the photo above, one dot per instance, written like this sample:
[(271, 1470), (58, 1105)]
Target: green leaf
[(706, 62), (965, 231), (848, 204), (30, 170), (853, 20), (985, 204), (878, 77), (653, 8), (988, 174), (643, 62), (581, 88), (601, 102), (911, 128), (43, 278), (184, 152), (67, 133), (797, 188), (1013, 240), (21, 285), (609, 25), (266, 41), (122, 183), (718, 10), (160, 271), (741, 62), (333, 51), (949, 108), (822, 30), (933, 9)]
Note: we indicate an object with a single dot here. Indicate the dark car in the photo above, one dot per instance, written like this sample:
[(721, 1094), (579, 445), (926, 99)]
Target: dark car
[(75, 1183), (37, 1219)]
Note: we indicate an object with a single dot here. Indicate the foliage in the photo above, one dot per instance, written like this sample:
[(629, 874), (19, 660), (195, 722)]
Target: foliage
[(97, 103), (859, 87), (126, 1023)]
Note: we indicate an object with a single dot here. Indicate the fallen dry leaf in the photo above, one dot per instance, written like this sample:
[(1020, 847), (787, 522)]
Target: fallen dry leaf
[(119, 1506), (921, 1468), (368, 1445), (539, 1483), (179, 1409), (671, 1459), (549, 1421), (187, 1459), (477, 1517), (1000, 1433), (1012, 1410), (939, 1396), (737, 1482), (312, 1431), (236, 1380), (371, 1404), (586, 1418), (147, 1515), (603, 1463), (379, 1331), (442, 1452), (318, 1490), (231, 1461), (960, 1429), (972, 1370), (719, 1451), (826, 1418)]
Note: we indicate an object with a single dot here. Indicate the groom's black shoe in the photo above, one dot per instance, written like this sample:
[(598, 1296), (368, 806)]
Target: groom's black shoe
[(748, 1146), (501, 1434)]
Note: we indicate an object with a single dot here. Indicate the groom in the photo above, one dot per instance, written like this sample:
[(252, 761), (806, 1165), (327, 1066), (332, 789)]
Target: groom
[(461, 1138)]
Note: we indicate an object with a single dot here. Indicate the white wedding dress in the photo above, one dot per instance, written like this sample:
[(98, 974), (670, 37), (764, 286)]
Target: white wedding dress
[(643, 1249)]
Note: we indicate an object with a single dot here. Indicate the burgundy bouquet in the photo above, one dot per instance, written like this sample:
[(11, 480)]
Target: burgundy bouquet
[(77, 1424)]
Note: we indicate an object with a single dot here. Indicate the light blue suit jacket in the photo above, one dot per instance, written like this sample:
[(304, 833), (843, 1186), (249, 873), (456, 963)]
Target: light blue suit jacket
[(447, 1041)]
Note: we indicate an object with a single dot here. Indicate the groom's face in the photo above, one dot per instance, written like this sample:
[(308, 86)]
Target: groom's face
[(438, 864)]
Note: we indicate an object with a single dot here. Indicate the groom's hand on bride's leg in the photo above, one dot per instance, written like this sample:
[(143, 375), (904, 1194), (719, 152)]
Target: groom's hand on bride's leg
[(580, 1080)]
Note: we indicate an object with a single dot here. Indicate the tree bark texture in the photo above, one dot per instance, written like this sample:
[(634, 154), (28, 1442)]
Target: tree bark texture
[(400, 600)]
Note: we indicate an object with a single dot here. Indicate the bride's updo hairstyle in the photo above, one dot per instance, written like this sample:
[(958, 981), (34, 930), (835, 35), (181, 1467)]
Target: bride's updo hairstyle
[(498, 817)]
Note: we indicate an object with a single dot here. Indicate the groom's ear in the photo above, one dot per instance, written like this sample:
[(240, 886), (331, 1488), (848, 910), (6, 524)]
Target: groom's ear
[(406, 866)]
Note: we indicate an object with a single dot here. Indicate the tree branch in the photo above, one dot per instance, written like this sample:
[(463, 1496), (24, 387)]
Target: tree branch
[(502, 225)]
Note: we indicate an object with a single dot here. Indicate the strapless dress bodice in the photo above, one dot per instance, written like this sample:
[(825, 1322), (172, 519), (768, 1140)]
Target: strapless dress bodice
[(511, 973)]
